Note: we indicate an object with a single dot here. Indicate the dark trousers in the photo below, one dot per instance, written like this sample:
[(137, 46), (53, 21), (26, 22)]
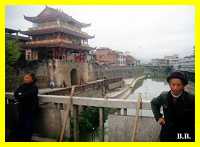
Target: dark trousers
[(25, 127), (169, 133)]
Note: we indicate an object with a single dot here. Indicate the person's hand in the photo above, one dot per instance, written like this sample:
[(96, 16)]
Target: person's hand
[(161, 121)]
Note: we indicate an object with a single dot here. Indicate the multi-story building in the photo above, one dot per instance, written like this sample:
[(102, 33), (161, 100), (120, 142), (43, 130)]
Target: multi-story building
[(56, 35), (58, 39), (172, 60), (106, 56), (160, 62), (186, 64)]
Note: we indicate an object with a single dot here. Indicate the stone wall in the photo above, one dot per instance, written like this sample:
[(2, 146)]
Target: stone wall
[(61, 73), (39, 68), (120, 129)]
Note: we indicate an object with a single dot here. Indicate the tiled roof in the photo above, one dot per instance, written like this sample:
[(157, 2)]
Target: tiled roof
[(50, 14)]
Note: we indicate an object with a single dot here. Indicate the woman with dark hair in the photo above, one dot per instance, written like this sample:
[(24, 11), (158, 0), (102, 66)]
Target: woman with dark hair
[(177, 121), (26, 97)]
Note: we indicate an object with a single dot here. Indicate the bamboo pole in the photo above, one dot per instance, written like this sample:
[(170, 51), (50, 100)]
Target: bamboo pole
[(135, 124), (66, 115), (101, 123)]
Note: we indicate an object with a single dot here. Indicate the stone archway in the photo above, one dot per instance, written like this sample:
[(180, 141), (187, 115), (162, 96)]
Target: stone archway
[(74, 77)]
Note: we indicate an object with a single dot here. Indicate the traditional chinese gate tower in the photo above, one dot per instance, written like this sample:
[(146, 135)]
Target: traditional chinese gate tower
[(57, 38)]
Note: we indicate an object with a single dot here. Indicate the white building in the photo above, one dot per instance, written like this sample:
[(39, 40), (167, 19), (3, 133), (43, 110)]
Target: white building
[(121, 59), (172, 60), (186, 64), (159, 62)]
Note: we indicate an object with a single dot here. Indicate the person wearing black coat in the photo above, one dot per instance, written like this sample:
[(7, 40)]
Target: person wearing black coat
[(178, 118), (26, 97)]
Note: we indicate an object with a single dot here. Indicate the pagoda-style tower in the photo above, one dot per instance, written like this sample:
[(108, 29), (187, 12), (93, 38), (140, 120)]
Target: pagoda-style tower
[(58, 38), (56, 35)]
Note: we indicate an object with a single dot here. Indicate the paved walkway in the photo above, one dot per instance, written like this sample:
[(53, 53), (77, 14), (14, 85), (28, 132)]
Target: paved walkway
[(116, 92)]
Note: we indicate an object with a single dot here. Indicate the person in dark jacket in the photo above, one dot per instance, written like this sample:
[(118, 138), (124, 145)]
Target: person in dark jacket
[(178, 118), (26, 97)]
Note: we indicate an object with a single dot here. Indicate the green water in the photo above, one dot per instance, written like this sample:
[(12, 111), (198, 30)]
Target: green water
[(150, 88)]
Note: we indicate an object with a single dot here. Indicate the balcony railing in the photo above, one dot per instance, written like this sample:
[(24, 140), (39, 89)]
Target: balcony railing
[(49, 41), (54, 25)]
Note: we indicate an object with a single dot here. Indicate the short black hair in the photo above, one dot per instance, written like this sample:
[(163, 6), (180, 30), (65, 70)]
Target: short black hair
[(33, 76)]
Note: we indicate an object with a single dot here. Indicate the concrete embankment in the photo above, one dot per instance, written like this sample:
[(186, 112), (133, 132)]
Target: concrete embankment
[(127, 90)]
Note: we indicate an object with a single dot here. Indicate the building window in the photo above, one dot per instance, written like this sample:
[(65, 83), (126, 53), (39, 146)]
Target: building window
[(31, 55), (28, 54)]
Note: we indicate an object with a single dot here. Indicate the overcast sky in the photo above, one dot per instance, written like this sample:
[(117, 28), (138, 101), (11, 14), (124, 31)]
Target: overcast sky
[(144, 31)]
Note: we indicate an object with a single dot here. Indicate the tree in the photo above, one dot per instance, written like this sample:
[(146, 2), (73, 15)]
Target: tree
[(12, 52), (12, 56)]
